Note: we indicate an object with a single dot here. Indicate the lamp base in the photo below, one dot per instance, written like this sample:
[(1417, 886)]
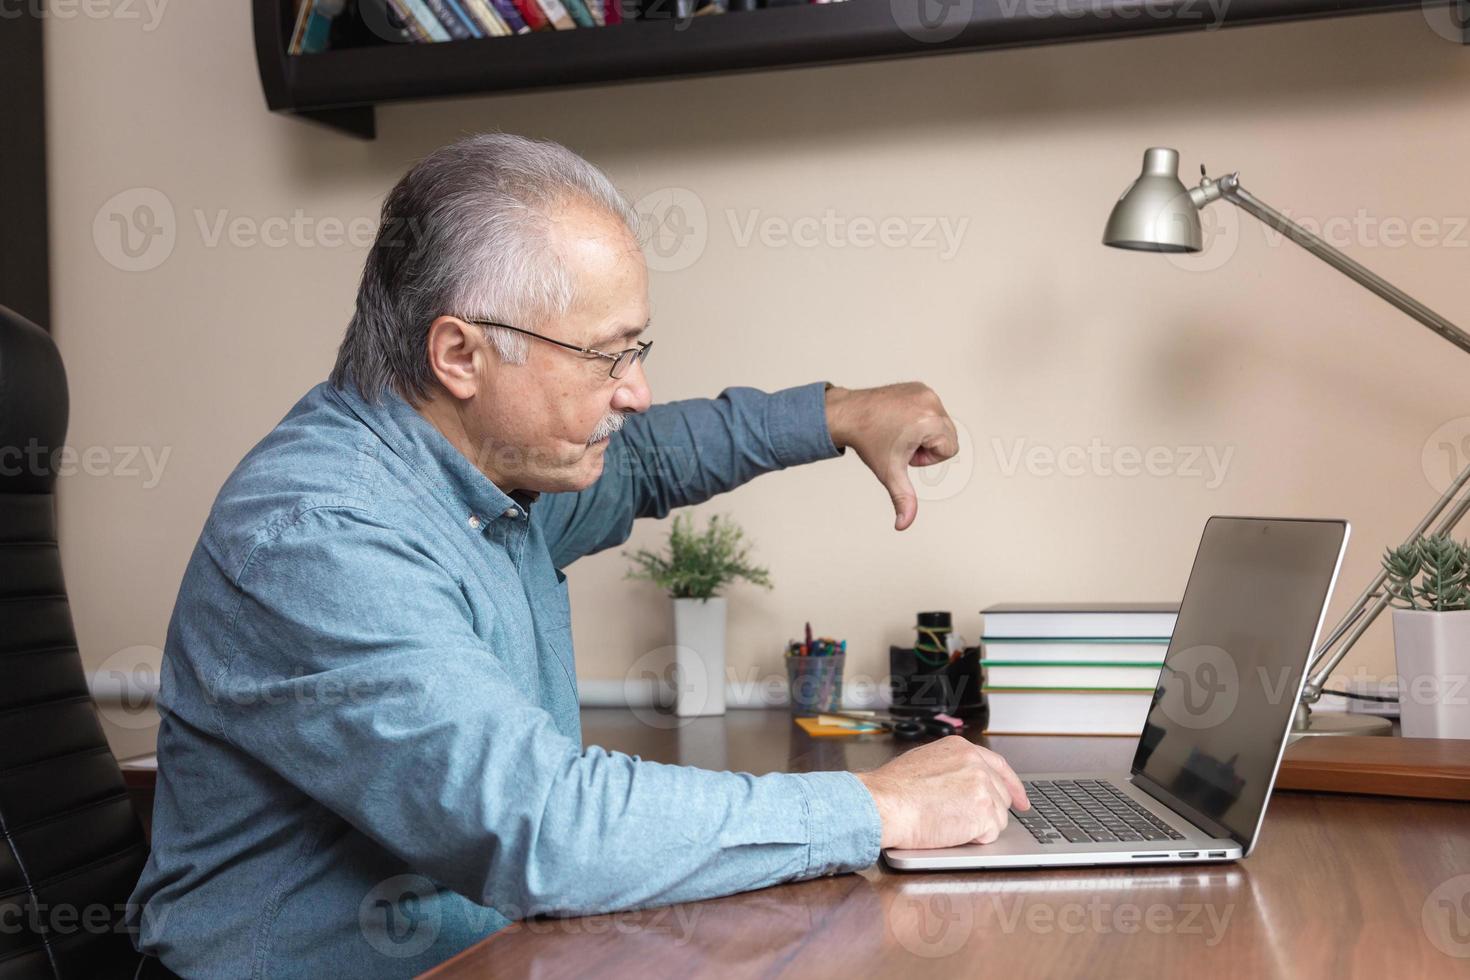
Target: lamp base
[(1309, 722)]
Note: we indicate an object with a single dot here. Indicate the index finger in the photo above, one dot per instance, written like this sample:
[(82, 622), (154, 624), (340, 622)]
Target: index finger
[(997, 762), (938, 443)]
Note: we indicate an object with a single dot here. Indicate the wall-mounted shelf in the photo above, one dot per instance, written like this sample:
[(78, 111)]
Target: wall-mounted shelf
[(341, 87)]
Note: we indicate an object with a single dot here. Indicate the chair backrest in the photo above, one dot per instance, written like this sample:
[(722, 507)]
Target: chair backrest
[(72, 845)]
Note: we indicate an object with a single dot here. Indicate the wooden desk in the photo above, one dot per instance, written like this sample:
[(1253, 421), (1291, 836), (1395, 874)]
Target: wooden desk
[(1340, 886)]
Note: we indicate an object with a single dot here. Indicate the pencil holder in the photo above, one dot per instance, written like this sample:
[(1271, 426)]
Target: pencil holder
[(815, 683)]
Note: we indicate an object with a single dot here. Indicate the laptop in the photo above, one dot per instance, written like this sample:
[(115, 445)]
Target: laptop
[(1217, 725)]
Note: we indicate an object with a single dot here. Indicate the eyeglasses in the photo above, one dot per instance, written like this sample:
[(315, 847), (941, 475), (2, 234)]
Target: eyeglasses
[(622, 361)]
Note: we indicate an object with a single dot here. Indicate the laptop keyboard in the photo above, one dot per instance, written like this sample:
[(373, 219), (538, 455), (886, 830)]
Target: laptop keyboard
[(1080, 811)]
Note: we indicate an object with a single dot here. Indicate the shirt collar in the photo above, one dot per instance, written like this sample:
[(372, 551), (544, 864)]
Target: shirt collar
[(442, 467)]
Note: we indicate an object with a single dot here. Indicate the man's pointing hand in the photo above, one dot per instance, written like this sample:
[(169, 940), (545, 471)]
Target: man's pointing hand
[(892, 428)]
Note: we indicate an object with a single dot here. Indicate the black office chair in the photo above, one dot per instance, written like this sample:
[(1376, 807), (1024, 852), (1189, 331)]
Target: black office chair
[(72, 845)]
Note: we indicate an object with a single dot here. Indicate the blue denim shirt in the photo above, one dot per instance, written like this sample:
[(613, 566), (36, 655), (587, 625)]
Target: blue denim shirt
[(370, 754)]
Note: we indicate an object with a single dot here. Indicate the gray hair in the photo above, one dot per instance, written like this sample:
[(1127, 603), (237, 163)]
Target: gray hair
[(466, 233)]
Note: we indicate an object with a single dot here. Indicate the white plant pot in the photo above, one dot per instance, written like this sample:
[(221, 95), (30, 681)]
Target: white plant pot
[(1433, 654), (699, 658)]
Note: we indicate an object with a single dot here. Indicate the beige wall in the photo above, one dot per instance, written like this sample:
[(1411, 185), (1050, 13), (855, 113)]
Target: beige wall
[(1324, 398)]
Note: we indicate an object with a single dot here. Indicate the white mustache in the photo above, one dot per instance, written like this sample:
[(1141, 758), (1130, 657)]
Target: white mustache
[(610, 423)]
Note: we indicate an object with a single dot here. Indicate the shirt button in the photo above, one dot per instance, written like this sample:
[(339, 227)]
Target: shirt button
[(512, 512), (474, 522)]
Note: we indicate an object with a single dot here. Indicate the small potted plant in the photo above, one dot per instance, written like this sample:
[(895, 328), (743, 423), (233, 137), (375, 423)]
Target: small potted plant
[(695, 569), (1429, 586)]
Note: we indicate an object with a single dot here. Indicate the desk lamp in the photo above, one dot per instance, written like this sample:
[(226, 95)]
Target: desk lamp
[(1157, 214)]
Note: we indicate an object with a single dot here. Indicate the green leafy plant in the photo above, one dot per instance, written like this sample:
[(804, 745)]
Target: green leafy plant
[(697, 565), (1432, 574)]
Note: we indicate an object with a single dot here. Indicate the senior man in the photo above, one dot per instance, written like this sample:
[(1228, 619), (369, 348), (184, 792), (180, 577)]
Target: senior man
[(370, 754)]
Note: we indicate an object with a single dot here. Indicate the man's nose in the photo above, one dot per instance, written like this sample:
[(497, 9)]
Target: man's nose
[(633, 394)]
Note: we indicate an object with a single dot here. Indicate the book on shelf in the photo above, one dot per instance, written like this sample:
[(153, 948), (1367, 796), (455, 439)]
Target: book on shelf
[(419, 19), (1067, 712), (580, 15), (454, 19), (313, 25), (488, 18), (1029, 620), (556, 14), (532, 14)]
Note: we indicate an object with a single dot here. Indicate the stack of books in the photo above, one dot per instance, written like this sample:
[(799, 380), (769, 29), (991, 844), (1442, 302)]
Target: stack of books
[(1073, 669)]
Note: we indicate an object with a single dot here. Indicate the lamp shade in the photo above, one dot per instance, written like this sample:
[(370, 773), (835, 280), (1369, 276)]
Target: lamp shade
[(1155, 214)]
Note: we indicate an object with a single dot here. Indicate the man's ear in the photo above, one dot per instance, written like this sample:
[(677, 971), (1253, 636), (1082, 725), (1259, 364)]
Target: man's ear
[(454, 348)]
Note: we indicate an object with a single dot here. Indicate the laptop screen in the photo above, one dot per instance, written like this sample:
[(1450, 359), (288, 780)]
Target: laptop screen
[(1249, 619)]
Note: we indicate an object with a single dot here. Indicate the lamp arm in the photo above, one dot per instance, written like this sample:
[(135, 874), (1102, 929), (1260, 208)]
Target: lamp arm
[(1231, 191), (1371, 602)]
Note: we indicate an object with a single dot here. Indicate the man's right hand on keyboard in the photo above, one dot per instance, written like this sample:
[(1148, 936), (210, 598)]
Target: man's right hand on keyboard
[(943, 794)]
